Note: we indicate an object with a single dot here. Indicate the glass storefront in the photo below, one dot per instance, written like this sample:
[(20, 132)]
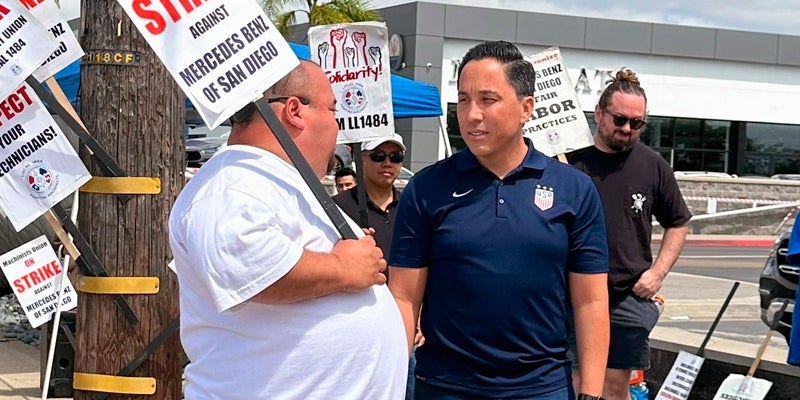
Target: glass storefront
[(771, 149)]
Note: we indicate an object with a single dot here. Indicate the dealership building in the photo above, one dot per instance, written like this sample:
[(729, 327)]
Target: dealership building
[(718, 100)]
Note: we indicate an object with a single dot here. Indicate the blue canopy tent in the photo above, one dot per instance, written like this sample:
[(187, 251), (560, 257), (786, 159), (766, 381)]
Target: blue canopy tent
[(409, 97)]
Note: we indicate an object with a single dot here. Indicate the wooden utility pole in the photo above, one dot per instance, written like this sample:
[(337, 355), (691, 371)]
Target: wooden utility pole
[(134, 109)]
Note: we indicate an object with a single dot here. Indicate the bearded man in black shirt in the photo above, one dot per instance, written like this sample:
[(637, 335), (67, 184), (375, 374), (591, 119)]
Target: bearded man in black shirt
[(635, 184)]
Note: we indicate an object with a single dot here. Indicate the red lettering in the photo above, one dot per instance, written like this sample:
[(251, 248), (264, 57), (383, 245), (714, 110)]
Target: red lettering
[(3, 11), (158, 22), (36, 277), (31, 3), (173, 12), (19, 286), (14, 104), (46, 272)]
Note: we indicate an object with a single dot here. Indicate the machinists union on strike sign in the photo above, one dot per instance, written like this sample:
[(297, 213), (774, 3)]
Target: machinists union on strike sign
[(223, 54)]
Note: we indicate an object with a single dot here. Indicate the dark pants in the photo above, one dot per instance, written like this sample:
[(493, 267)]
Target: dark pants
[(425, 391)]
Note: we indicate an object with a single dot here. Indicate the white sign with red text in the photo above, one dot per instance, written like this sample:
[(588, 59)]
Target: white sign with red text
[(680, 379), (356, 59), (558, 124), (68, 50), (223, 54), (24, 45), (38, 165), (35, 275)]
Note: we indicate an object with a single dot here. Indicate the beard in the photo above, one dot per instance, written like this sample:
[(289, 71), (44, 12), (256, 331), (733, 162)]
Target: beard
[(615, 143)]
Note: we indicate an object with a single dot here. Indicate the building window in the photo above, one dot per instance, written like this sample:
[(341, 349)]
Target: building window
[(773, 138), (658, 132), (772, 149)]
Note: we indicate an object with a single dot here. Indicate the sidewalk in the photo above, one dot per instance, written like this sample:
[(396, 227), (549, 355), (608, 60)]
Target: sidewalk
[(19, 371)]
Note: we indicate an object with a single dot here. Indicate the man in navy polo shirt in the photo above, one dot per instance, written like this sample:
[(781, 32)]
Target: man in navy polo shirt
[(499, 240)]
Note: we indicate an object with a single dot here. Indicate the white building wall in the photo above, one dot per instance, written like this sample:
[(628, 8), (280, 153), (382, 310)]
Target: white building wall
[(675, 86)]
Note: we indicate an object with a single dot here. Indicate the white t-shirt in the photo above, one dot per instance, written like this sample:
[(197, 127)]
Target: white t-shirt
[(237, 227)]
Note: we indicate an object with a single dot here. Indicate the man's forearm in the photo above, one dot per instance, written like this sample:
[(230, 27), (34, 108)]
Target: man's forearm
[(671, 246), (315, 275), (409, 321), (592, 332)]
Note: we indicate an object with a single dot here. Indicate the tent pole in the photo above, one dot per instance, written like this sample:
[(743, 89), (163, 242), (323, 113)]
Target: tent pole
[(448, 151)]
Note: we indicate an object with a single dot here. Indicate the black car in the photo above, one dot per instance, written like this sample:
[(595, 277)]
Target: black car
[(778, 283)]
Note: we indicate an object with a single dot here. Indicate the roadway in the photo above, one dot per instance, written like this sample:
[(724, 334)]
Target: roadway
[(699, 282)]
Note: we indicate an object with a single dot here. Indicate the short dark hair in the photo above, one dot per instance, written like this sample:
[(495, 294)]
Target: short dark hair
[(344, 172), (285, 86), (519, 72)]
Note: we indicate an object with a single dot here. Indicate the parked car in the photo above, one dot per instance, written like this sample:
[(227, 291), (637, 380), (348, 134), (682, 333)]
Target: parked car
[(204, 143), (778, 283), (707, 174), (788, 177)]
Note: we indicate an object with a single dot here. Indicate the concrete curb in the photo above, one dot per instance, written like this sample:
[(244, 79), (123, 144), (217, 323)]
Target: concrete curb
[(724, 241)]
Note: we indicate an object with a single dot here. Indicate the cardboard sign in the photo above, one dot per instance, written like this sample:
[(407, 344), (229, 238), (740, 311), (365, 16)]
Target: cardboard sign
[(558, 124), (38, 165), (681, 377), (24, 45), (34, 273), (741, 387), (356, 58), (68, 50), (223, 54)]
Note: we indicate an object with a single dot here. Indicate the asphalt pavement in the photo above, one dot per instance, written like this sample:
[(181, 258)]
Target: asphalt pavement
[(693, 302)]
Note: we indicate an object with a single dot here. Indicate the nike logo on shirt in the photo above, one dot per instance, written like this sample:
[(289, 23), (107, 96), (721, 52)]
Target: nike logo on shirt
[(456, 194)]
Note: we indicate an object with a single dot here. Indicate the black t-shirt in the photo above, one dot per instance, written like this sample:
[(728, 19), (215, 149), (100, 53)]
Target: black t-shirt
[(381, 221), (634, 186)]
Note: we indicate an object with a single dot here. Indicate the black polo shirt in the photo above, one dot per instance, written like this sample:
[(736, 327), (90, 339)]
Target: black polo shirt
[(381, 221)]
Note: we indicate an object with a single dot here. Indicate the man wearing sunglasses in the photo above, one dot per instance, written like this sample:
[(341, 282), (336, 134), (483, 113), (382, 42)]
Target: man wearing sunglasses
[(274, 304), (635, 184), (382, 161)]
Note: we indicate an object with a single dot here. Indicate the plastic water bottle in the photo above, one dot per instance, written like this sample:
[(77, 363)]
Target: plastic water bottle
[(639, 391)]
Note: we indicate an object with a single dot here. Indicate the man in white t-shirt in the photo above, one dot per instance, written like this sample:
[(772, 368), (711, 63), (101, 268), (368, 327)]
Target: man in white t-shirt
[(274, 304)]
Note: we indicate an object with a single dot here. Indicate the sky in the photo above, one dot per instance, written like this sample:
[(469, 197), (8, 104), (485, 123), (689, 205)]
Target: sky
[(768, 16)]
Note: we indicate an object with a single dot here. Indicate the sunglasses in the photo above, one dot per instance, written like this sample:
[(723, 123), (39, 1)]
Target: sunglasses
[(621, 120), (246, 113), (380, 156), (303, 100)]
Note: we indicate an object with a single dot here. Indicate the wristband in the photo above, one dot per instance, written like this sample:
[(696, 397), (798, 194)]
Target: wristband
[(583, 396)]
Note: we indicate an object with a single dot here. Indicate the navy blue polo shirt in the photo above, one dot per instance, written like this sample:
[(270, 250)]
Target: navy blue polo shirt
[(494, 311)]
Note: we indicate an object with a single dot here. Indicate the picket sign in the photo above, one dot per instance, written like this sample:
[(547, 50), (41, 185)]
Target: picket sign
[(557, 125), (746, 387), (36, 275), (355, 57), (223, 54), (24, 45), (684, 371), (38, 165), (68, 50), (741, 387)]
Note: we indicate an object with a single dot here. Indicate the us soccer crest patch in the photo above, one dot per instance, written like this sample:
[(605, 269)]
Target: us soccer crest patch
[(544, 197)]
